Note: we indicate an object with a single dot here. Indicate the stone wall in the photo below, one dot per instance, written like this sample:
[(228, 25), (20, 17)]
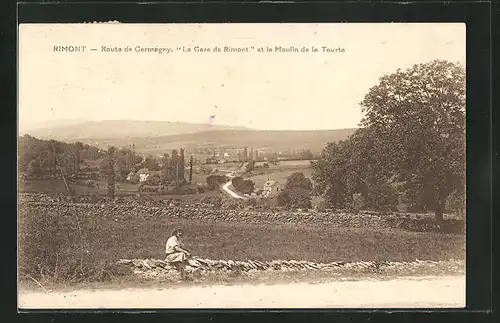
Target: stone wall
[(158, 266), (197, 211)]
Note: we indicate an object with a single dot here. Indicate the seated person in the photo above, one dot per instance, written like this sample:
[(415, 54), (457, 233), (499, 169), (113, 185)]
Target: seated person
[(176, 254)]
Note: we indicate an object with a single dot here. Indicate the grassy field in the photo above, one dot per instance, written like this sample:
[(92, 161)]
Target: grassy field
[(288, 163), (50, 243), (45, 236), (53, 186), (241, 242), (199, 178), (57, 186), (279, 174)]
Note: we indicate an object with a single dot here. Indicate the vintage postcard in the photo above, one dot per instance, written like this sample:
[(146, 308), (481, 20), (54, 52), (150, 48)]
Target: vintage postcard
[(241, 165)]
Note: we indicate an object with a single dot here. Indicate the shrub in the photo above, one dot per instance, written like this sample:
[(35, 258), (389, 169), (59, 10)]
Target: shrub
[(203, 169), (251, 202), (191, 190), (319, 204), (134, 179), (245, 186), (270, 202), (234, 204), (56, 247), (455, 203), (357, 203), (212, 200), (202, 188), (250, 166), (153, 180), (297, 192), (213, 181)]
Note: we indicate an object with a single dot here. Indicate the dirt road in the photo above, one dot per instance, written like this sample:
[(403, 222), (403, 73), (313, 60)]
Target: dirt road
[(447, 291), (226, 188)]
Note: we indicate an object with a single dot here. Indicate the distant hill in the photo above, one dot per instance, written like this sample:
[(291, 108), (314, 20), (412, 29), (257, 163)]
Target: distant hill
[(315, 140), (27, 129), (158, 136), (120, 129)]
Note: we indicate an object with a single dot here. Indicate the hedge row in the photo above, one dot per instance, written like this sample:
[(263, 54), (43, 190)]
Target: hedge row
[(125, 211)]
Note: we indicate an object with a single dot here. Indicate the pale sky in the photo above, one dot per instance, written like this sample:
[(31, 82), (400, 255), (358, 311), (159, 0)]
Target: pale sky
[(256, 90)]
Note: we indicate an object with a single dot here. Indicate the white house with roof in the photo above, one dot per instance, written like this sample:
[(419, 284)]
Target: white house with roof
[(271, 188), (143, 174)]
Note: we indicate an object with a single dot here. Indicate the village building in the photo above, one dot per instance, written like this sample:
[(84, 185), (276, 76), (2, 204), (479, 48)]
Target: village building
[(212, 160), (143, 174), (271, 188), (130, 176)]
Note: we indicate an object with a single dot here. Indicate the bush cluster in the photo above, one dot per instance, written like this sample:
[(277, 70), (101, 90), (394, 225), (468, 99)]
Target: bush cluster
[(245, 186), (213, 181)]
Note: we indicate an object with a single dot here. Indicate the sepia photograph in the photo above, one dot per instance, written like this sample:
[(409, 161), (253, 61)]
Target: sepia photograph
[(236, 165)]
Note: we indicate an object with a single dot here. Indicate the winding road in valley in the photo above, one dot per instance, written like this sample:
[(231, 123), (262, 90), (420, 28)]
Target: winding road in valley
[(226, 188)]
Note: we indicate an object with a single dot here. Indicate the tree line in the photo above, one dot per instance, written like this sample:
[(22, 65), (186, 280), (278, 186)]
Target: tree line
[(410, 147), (48, 157)]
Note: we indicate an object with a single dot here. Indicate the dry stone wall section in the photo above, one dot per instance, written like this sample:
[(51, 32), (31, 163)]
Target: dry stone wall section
[(411, 222), (148, 265)]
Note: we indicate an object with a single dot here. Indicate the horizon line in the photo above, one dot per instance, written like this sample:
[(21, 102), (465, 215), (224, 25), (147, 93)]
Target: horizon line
[(169, 121)]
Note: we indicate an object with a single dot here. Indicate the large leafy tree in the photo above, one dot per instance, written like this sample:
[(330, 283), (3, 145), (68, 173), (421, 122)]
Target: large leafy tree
[(419, 117), (355, 165), (329, 174), (297, 191), (412, 138), (150, 163)]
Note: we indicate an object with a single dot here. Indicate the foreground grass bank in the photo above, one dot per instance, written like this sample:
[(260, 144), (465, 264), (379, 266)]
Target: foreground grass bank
[(58, 247), (144, 279)]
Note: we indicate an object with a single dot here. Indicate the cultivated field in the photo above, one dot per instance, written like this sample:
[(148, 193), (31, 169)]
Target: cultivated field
[(280, 176), (291, 163), (280, 172)]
